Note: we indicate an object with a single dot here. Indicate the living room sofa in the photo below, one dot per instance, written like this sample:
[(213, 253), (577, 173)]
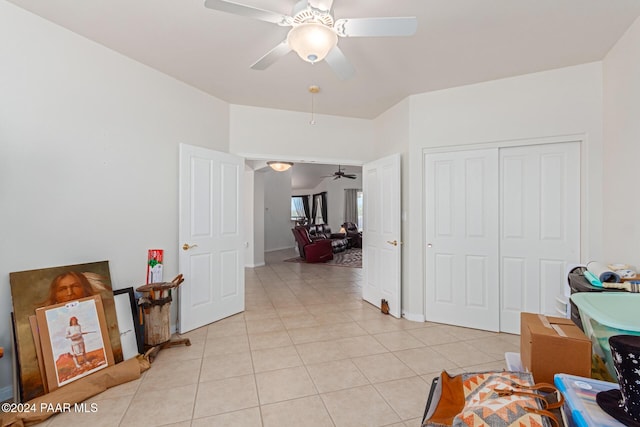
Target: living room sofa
[(354, 236), (339, 241)]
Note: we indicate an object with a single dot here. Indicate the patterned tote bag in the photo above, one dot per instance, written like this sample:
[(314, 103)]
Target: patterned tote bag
[(494, 398)]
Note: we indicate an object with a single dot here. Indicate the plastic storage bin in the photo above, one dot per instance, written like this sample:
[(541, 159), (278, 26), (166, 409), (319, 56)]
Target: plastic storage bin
[(605, 315), (580, 408), (513, 362)]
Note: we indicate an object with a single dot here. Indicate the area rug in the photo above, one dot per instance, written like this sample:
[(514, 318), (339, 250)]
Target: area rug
[(349, 258)]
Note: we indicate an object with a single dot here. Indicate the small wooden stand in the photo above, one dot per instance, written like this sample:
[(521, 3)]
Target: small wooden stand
[(157, 320)]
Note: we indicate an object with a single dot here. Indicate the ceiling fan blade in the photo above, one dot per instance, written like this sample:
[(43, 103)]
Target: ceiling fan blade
[(340, 64), (248, 11), (324, 5), (350, 176), (299, 6), (376, 27), (272, 56)]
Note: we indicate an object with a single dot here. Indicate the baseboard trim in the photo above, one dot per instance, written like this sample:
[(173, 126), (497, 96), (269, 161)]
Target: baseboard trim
[(260, 264), (279, 249), (413, 317), (6, 393)]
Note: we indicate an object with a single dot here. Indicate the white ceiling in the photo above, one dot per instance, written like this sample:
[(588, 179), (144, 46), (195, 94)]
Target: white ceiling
[(458, 42)]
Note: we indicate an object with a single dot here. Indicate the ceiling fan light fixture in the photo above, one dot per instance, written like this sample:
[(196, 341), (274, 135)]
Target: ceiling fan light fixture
[(279, 166), (312, 41)]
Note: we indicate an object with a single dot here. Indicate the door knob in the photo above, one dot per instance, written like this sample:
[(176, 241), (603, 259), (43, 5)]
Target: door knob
[(187, 246), (394, 243)]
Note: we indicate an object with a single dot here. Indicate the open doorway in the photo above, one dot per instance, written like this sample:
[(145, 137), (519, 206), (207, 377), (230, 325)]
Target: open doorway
[(380, 185), (317, 195)]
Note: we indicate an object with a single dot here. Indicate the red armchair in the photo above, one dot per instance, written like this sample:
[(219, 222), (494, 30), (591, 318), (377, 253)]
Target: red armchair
[(318, 251)]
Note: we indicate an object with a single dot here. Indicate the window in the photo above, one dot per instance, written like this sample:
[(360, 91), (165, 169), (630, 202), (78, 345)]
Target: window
[(297, 208)]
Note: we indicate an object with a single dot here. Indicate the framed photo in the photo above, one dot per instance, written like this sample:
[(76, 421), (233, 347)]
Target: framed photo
[(128, 323), (74, 340), (33, 289)]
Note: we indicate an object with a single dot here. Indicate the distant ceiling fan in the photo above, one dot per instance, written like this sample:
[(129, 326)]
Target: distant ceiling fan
[(314, 33), (340, 174)]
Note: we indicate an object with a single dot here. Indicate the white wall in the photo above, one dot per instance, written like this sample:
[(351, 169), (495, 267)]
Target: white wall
[(559, 102), (286, 135), (621, 227), (258, 219), (249, 207), (277, 211), (88, 156), (392, 132)]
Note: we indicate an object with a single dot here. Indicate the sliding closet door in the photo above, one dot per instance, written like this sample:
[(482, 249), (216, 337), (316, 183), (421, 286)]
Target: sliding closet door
[(539, 227), (462, 238)]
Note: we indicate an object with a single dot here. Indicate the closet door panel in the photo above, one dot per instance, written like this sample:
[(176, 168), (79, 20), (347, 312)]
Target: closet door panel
[(462, 236), (540, 225)]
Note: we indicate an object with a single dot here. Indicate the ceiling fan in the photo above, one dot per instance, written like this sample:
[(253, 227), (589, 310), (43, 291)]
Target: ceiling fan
[(340, 174), (314, 33)]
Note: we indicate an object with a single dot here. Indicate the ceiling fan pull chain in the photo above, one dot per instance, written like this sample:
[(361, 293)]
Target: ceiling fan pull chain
[(313, 120), (313, 90)]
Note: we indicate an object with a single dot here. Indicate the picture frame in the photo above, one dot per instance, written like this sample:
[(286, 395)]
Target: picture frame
[(36, 340), (74, 339), (33, 289), (128, 323), (15, 361)]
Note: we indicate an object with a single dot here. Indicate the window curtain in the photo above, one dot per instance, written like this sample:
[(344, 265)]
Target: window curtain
[(314, 208), (351, 205), (319, 206), (325, 214), (307, 210)]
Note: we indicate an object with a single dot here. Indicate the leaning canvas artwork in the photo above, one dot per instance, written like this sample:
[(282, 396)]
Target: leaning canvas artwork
[(74, 340), (34, 289)]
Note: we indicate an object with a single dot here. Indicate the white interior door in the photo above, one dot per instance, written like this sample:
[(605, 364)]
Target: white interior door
[(210, 236), (540, 227), (381, 245), (462, 238)]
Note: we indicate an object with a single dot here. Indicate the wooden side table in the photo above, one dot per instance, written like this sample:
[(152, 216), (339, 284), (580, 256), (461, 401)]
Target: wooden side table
[(155, 306), (1, 352)]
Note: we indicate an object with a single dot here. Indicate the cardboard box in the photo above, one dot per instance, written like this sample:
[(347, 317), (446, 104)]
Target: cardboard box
[(553, 345)]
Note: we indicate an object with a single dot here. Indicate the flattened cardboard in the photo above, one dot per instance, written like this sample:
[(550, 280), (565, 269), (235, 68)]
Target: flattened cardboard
[(76, 392), (553, 345)]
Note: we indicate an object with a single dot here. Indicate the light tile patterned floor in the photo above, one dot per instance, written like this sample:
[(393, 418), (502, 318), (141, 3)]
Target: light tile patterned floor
[(306, 352)]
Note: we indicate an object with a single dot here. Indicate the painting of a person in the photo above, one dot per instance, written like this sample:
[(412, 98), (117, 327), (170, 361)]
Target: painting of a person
[(74, 333), (68, 286), (45, 287)]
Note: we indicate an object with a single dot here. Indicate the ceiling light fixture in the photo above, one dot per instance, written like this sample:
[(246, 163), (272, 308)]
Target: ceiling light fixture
[(312, 41), (313, 89), (280, 166)]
